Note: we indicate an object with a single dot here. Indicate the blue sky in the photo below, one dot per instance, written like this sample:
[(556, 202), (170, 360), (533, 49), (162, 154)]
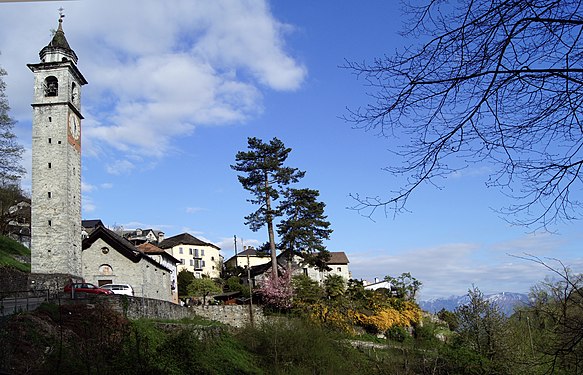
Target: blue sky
[(176, 87)]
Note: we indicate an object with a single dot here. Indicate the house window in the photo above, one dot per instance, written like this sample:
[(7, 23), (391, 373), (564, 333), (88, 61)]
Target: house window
[(305, 271), (202, 263), (180, 251), (50, 140), (212, 258), (201, 252), (190, 251), (192, 262), (50, 119), (49, 194), (181, 261), (50, 223), (50, 165), (196, 253), (338, 269)]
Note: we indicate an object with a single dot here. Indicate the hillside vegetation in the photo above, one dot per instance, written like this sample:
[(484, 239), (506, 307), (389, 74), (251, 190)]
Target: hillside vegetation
[(13, 254)]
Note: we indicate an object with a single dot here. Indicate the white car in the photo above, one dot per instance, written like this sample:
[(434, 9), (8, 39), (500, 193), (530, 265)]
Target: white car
[(119, 289)]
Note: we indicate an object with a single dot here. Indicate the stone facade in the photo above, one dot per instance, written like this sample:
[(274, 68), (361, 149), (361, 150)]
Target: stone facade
[(56, 160), (104, 263)]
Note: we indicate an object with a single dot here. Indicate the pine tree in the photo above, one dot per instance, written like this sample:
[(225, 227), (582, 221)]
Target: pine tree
[(306, 227), (265, 177)]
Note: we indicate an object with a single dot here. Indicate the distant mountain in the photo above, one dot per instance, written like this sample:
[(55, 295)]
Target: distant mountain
[(507, 301)]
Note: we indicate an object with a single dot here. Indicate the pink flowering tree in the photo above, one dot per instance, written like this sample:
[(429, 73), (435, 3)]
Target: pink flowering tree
[(277, 291)]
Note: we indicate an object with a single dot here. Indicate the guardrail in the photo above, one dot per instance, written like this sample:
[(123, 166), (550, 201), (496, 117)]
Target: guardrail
[(19, 301)]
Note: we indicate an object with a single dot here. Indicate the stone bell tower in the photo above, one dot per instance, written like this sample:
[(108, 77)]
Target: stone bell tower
[(56, 160)]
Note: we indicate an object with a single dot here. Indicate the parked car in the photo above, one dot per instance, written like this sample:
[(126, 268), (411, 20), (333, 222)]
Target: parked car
[(86, 288), (119, 289)]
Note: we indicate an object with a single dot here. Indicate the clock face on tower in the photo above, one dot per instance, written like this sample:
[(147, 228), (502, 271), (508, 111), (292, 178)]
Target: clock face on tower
[(74, 126)]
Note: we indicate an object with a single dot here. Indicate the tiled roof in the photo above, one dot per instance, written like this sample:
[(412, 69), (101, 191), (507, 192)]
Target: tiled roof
[(151, 249), (91, 223), (184, 239), (337, 257), (120, 244)]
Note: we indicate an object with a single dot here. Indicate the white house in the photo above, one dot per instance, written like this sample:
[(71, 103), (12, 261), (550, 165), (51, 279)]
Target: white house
[(196, 256), (337, 265), (248, 258)]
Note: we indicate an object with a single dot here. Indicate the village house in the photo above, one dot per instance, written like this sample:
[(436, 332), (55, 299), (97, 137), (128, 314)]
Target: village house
[(109, 258), (140, 236), (337, 265), (196, 256), (250, 257)]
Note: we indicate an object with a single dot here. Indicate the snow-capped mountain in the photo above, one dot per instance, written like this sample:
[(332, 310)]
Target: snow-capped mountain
[(507, 301)]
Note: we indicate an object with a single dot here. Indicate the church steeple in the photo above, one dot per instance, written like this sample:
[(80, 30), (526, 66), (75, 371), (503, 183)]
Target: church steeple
[(58, 49)]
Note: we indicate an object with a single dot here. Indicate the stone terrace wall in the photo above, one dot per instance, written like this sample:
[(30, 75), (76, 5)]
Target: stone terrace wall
[(12, 280), (137, 307), (233, 315)]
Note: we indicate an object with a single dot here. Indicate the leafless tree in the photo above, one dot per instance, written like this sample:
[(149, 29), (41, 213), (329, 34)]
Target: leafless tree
[(557, 305), (496, 81)]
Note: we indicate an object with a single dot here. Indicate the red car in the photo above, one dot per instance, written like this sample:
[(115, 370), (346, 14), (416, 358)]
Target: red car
[(86, 288)]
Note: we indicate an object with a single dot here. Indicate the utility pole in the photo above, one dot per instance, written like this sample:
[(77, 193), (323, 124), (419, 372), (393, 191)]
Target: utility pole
[(250, 291), (235, 239)]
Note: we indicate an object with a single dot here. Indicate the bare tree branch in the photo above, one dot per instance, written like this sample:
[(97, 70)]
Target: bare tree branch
[(500, 82)]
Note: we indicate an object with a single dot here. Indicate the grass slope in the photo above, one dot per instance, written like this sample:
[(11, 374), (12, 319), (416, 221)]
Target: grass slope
[(12, 253)]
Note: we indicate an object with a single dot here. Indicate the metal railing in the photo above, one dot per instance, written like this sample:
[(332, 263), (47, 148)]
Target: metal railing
[(20, 301)]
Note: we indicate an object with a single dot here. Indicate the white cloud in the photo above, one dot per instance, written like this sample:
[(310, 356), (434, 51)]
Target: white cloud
[(87, 188), (451, 269), (227, 245), (87, 204), (118, 167), (156, 70), (192, 210)]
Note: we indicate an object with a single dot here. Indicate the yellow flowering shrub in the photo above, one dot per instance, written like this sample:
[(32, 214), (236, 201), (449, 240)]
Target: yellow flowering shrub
[(380, 320)]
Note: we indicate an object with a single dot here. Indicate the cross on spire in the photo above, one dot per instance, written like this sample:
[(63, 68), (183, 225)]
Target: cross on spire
[(61, 14)]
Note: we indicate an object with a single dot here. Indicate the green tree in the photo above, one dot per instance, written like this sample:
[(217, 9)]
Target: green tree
[(489, 81), (203, 287), (233, 284), (448, 317), (306, 289), (10, 195), (482, 328), (184, 279), (556, 318), (305, 227), (265, 177), (10, 150), (405, 286), (335, 286)]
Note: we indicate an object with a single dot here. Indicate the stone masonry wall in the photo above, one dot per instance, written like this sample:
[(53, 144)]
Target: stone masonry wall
[(136, 307)]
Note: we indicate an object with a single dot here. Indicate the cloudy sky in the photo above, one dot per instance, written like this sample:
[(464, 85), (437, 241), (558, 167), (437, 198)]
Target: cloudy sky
[(176, 87)]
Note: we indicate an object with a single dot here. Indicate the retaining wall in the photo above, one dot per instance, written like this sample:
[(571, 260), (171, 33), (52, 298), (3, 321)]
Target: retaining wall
[(136, 307)]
